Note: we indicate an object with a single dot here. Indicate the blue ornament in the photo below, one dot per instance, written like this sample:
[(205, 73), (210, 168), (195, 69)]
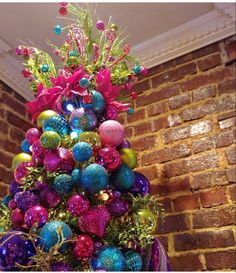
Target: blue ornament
[(45, 68), (84, 82), (58, 29), (123, 178), (137, 69), (108, 258), (130, 111), (25, 146), (55, 232), (76, 177), (97, 105), (68, 106), (133, 261), (94, 178), (81, 151), (63, 184), (56, 124), (5, 200), (82, 119), (73, 53)]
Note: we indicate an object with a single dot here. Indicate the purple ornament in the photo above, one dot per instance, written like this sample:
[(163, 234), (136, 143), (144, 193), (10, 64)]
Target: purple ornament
[(60, 267), (17, 218), (15, 187), (117, 207), (100, 25), (49, 197), (97, 246), (18, 51), (141, 184), (26, 200), (125, 144), (82, 119), (12, 204), (36, 215), (116, 194), (77, 204), (52, 160), (40, 185), (32, 135), (37, 148)]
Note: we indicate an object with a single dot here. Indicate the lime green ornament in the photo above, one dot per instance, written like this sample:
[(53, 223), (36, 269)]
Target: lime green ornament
[(50, 140), (20, 158), (129, 157), (147, 219), (43, 116)]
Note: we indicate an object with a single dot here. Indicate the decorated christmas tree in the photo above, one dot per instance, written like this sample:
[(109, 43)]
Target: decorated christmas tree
[(76, 204)]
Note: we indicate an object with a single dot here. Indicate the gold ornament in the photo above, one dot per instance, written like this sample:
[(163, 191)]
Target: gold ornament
[(43, 116), (91, 138), (147, 218), (20, 158), (129, 157)]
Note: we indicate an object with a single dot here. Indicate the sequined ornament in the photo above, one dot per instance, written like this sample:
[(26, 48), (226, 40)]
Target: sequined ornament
[(21, 171), (92, 138), (60, 267), (55, 232), (76, 177), (94, 178), (122, 178), (95, 221), (26, 200), (77, 204), (15, 187), (20, 158), (25, 146), (97, 104), (49, 197), (37, 148), (83, 247), (111, 112), (57, 29), (109, 158), (36, 216), (50, 140), (32, 135), (133, 261), (117, 207), (44, 116), (84, 82), (17, 218), (63, 184), (56, 124), (82, 119), (146, 218), (52, 160), (128, 157), (12, 204), (109, 258), (100, 25), (81, 151)]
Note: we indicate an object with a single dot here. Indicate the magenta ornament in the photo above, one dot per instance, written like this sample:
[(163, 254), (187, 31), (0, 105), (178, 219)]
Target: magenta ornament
[(67, 162), (37, 160), (21, 171), (109, 158), (77, 204), (12, 204), (37, 148), (50, 198), (36, 215), (117, 207), (100, 25), (111, 112), (40, 185), (32, 135), (83, 247), (52, 160), (17, 218)]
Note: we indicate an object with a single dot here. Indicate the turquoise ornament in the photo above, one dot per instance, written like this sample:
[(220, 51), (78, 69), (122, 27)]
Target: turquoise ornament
[(57, 29), (81, 151), (56, 124), (133, 261), (82, 119), (76, 177), (73, 53), (6, 199), (94, 178), (123, 178), (25, 146), (137, 69), (130, 111), (63, 184), (98, 103), (45, 68), (108, 258), (84, 82), (55, 232)]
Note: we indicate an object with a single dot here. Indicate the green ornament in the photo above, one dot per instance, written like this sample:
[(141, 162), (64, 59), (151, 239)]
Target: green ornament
[(20, 158), (44, 116), (50, 140), (147, 219)]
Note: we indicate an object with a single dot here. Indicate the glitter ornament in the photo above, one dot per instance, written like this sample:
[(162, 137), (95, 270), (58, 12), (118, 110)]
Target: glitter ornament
[(44, 116), (63, 11), (87, 99), (109, 158), (20, 158), (92, 138), (146, 218), (137, 69), (82, 119), (81, 151), (50, 140), (19, 51), (32, 135), (25, 146), (144, 71), (141, 184), (17, 218), (111, 112), (111, 133), (36, 216), (44, 68), (122, 178), (77, 204), (134, 95), (83, 247), (15, 187), (73, 53), (84, 82), (67, 161), (60, 267), (57, 29), (26, 200), (76, 177), (130, 111), (37, 148), (63, 184), (94, 178), (12, 204), (97, 104), (95, 221), (52, 160), (55, 232), (56, 124), (21, 171), (117, 207), (49, 197), (109, 258), (100, 25), (133, 261), (128, 157), (6, 199)]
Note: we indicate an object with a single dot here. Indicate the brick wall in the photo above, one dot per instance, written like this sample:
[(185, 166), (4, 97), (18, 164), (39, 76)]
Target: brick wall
[(183, 130)]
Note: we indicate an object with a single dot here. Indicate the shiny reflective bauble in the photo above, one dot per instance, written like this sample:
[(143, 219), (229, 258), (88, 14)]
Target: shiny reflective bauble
[(21, 171), (146, 218), (84, 82), (128, 157), (82, 119), (109, 158), (137, 69), (25, 146), (77, 204), (50, 140), (97, 105), (56, 124), (32, 135), (125, 144), (68, 106), (100, 25), (20, 158), (76, 177), (81, 151), (36, 216), (141, 184), (92, 138), (55, 232), (63, 184), (133, 261), (57, 29), (83, 247), (44, 116), (44, 68)]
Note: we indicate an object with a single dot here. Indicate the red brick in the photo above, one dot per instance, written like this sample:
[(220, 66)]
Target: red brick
[(227, 115), (203, 93), (129, 131), (142, 128), (12, 103), (159, 124), (122, 118), (231, 174), (147, 99), (10, 146), (200, 128), (186, 202), (202, 144), (157, 109), (5, 159), (161, 68), (4, 127), (174, 169), (165, 202), (202, 240), (160, 79), (19, 97), (141, 86), (16, 135), (227, 86), (3, 190), (142, 143), (223, 139), (231, 155), (167, 92), (18, 122), (173, 120), (230, 122), (188, 262), (136, 116), (179, 101), (209, 179), (209, 62), (213, 197), (182, 71), (150, 172), (4, 174), (172, 223), (214, 217), (232, 192), (220, 260)]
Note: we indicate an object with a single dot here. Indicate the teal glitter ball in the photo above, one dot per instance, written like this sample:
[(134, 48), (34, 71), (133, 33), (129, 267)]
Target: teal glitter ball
[(137, 69), (76, 177), (108, 258), (123, 178), (53, 233), (25, 146), (81, 151), (45, 68), (63, 184), (73, 53), (56, 124), (94, 178), (6, 199), (98, 103), (57, 29), (84, 82), (130, 111), (133, 261)]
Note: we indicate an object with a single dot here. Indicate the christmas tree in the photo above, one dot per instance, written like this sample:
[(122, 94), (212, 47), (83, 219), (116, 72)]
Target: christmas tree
[(76, 204)]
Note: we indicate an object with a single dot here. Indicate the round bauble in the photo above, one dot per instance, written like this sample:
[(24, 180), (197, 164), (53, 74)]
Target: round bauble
[(141, 184), (111, 133), (49, 197), (124, 144), (94, 178), (6, 199), (32, 135), (44, 116), (83, 247), (63, 184), (77, 204), (82, 119), (117, 207), (55, 232), (37, 148), (67, 161), (92, 138), (60, 267), (97, 105), (109, 158), (81, 151), (52, 160), (25, 146), (123, 178), (36, 216), (26, 200), (76, 177), (56, 124), (17, 218), (20, 158), (133, 261), (50, 140), (146, 218), (21, 171), (15, 187), (128, 157), (68, 106)]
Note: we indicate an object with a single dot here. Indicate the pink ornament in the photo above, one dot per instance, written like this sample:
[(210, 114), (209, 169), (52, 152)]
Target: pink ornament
[(21, 171), (77, 204), (52, 160), (19, 51), (37, 160), (144, 71), (49, 197), (111, 133), (100, 25), (36, 215), (109, 158), (32, 135), (12, 204), (67, 162), (17, 218), (37, 148), (83, 247), (111, 112), (63, 11)]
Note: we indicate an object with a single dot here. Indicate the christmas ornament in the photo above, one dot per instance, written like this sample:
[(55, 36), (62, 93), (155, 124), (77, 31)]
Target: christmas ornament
[(36, 215), (17, 218), (84, 82), (137, 69), (92, 138), (56, 124), (109, 158), (95, 221), (111, 133), (32, 135), (83, 247), (100, 25), (67, 161), (82, 119), (25, 146), (21, 171), (94, 178), (50, 140), (144, 71), (53, 233), (76, 177), (11, 204), (133, 261), (37, 160), (20, 158), (109, 258), (63, 184), (77, 204), (147, 218), (44, 116), (141, 184), (63, 11), (60, 267), (37, 148), (6, 199), (45, 68), (125, 144), (123, 178), (58, 29), (25, 200), (52, 160), (81, 151), (97, 105), (128, 157), (111, 112), (49, 198), (130, 111), (15, 187), (117, 207), (68, 106)]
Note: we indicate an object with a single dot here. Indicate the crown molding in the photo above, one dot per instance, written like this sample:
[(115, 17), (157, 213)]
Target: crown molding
[(197, 33)]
